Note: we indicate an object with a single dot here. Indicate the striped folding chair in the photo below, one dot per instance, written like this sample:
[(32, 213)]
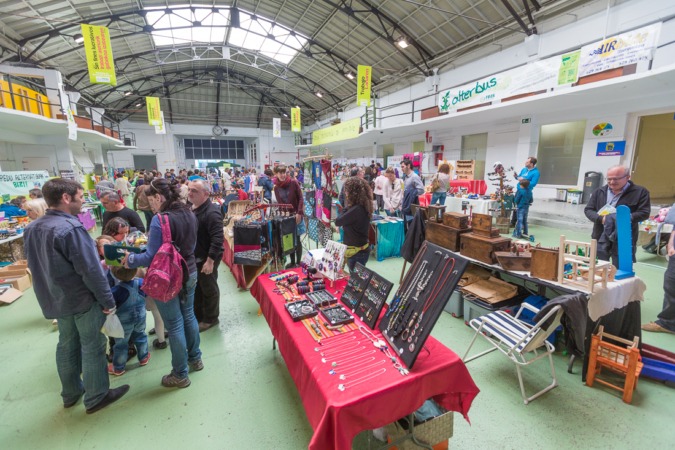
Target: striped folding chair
[(522, 343)]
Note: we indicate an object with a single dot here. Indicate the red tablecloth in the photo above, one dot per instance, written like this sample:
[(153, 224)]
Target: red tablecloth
[(236, 269), (473, 186), (338, 416)]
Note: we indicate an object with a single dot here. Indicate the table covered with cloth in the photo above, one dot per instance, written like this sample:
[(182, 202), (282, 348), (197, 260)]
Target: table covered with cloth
[(390, 237), (236, 269), (472, 186), (337, 416)]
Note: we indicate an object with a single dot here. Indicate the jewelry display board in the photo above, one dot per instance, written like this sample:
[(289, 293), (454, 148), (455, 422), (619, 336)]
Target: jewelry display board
[(337, 315), (358, 280), (374, 297), (420, 299), (300, 310), (321, 298), (332, 260)]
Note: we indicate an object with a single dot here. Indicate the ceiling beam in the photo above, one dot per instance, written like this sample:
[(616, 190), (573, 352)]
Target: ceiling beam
[(515, 15)]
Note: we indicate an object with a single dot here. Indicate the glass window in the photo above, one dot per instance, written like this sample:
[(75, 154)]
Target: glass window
[(198, 153), (189, 153), (187, 143), (559, 154), (206, 153), (197, 143), (240, 144), (240, 153)]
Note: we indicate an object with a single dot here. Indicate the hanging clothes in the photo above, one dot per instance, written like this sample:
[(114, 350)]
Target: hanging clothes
[(307, 175), (318, 204), (316, 174), (309, 204), (247, 243), (327, 203)]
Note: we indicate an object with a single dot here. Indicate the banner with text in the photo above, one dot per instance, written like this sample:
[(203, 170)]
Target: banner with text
[(363, 77), (534, 77), (568, 72), (276, 127), (296, 122), (99, 55), (154, 112), (161, 128), (345, 130), (619, 51), (19, 183)]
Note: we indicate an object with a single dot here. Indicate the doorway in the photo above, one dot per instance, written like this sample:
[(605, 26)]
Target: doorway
[(654, 150), (474, 146), (147, 162)]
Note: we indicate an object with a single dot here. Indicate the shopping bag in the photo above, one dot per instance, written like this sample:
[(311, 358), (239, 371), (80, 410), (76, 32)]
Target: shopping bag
[(113, 327)]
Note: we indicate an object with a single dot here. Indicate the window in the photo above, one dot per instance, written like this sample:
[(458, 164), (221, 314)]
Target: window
[(559, 154), (213, 149)]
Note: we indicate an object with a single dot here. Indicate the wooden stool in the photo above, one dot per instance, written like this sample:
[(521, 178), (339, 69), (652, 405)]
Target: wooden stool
[(621, 360)]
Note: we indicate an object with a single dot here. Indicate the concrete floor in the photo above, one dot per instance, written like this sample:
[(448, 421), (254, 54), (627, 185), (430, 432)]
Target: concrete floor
[(245, 398)]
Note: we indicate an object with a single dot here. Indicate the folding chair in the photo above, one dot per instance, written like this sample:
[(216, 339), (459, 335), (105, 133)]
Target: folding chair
[(521, 342)]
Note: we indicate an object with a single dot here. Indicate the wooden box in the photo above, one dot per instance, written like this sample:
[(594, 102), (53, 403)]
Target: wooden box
[(481, 223), (456, 220), (520, 262), (544, 263), (483, 248), (435, 212), (445, 236), (424, 209)]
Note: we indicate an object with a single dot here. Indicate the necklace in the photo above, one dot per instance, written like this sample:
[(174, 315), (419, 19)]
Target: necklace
[(413, 270), (337, 346), (351, 358), (337, 338), (363, 379), (341, 353), (344, 376), (382, 346), (333, 371)]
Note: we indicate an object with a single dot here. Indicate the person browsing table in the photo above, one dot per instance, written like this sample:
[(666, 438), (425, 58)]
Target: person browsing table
[(355, 221)]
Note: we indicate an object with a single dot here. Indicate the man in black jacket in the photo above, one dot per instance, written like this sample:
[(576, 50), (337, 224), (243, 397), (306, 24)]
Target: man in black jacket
[(618, 191), (208, 253)]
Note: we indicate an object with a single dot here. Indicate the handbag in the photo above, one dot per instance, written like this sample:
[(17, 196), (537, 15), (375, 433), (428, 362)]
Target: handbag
[(435, 183)]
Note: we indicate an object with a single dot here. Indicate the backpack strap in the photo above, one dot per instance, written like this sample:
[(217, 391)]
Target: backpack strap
[(166, 228)]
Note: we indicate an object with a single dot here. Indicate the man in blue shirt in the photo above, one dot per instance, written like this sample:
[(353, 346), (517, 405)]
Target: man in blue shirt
[(70, 286), (530, 173)]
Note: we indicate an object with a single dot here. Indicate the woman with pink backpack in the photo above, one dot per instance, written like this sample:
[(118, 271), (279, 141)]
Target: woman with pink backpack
[(172, 276)]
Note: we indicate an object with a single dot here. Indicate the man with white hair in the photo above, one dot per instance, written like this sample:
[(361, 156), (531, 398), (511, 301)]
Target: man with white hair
[(618, 191), (208, 253), (114, 208)]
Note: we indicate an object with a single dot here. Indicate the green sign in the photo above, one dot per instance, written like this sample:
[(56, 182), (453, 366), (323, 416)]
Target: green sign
[(569, 68)]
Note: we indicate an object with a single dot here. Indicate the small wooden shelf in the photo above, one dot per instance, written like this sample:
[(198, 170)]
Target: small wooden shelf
[(464, 169)]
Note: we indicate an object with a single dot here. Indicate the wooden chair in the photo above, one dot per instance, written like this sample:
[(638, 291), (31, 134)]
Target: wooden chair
[(623, 360)]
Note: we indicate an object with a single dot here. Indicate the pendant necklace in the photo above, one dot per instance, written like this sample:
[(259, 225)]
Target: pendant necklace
[(363, 379)]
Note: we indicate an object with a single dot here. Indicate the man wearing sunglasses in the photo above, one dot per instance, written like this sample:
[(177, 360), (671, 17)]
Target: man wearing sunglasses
[(618, 191)]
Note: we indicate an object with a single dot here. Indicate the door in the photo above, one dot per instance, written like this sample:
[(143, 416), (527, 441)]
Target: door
[(147, 162), (474, 147), (654, 150)]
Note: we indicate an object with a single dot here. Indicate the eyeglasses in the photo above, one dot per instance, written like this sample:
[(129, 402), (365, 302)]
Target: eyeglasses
[(610, 179)]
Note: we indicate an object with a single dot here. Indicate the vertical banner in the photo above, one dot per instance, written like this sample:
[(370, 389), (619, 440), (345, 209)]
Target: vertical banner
[(296, 122), (154, 113), (363, 85), (276, 127), (569, 68), (99, 55), (160, 129), (72, 125)]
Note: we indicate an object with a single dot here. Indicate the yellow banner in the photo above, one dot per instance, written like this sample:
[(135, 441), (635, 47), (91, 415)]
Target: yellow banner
[(296, 122), (99, 55), (345, 130), (154, 113), (363, 77)]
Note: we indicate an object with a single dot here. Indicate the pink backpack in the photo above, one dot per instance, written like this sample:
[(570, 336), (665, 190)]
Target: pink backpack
[(164, 278)]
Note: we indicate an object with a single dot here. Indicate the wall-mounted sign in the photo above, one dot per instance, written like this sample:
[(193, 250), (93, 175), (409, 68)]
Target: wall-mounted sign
[(345, 130), (614, 148), (603, 129), (569, 68)]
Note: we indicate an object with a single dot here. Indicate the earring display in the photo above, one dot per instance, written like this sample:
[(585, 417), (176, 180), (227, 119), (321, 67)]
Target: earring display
[(420, 299), (358, 280), (330, 264), (337, 315), (321, 298), (300, 310), (374, 297)]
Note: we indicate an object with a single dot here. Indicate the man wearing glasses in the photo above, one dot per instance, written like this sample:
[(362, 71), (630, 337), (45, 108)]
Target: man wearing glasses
[(112, 203), (618, 191)]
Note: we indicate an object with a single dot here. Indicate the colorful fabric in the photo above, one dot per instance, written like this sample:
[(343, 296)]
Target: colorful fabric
[(318, 204), (316, 174), (327, 203)]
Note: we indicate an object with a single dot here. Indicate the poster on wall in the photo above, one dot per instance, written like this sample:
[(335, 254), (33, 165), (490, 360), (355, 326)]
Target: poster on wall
[(19, 183), (569, 68), (619, 51), (614, 148)]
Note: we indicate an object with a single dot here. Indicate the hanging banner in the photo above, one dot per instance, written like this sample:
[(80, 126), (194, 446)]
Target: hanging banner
[(276, 127), (619, 51), (160, 129), (19, 183), (363, 77), (99, 55), (345, 130), (72, 125), (569, 68), (296, 123), (154, 112)]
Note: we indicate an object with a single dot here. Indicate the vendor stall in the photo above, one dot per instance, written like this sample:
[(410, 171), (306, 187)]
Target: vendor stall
[(460, 204)]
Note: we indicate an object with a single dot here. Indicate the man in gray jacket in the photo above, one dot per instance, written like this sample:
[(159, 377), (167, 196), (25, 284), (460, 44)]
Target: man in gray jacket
[(71, 286)]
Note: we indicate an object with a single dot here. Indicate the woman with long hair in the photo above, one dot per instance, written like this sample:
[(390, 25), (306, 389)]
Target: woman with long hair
[(177, 313), (355, 220), (440, 183)]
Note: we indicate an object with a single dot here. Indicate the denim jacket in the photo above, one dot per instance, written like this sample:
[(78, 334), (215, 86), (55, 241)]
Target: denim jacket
[(67, 274)]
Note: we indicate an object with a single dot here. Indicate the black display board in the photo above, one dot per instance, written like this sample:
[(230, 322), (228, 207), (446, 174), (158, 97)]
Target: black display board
[(336, 316), (358, 280), (300, 310), (420, 300), (374, 297)]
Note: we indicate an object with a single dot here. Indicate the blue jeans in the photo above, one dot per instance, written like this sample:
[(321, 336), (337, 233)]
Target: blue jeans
[(81, 350), (438, 197), (179, 319), (132, 316), (521, 224), (396, 213), (666, 317), (360, 257)]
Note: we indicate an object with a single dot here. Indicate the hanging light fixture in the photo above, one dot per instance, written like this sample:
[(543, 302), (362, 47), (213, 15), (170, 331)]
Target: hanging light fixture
[(349, 75), (402, 42), (318, 94), (78, 38)]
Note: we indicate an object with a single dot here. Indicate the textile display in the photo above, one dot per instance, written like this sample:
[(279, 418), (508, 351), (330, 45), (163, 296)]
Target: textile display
[(284, 236), (309, 204), (327, 174), (247, 244), (325, 234), (327, 203), (307, 175), (318, 204), (316, 174), (313, 229)]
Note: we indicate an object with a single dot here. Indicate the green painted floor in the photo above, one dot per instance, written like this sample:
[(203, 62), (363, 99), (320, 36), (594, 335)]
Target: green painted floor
[(245, 398)]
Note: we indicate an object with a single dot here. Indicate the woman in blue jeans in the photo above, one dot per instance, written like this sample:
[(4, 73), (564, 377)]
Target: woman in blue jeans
[(355, 220), (177, 313)]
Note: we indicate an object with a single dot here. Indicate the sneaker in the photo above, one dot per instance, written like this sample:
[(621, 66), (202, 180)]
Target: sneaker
[(196, 366), (117, 373), (159, 345), (172, 380), (111, 397), (145, 360), (656, 328)]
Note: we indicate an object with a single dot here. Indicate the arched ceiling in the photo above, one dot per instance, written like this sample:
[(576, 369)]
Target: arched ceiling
[(220, 82)]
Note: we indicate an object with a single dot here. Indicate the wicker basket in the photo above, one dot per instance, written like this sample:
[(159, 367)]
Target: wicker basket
[(432, 431), (237, 207)]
